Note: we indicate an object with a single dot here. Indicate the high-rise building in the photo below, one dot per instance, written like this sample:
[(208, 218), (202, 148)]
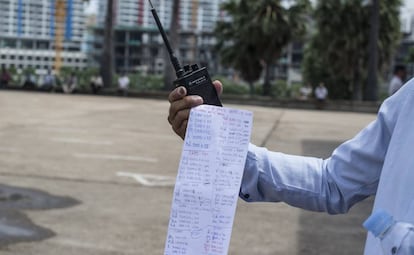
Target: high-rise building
[(138, 44), (28, 29), (195, 15)]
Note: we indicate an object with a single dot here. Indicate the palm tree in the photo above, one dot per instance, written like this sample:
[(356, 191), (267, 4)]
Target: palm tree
[(276, 26), (261, 30), (410, 57), (107, 62), (338, 52), (234, 44)]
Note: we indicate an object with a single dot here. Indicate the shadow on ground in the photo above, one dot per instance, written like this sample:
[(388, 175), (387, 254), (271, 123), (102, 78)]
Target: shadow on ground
[(15, 226), (323, 234)]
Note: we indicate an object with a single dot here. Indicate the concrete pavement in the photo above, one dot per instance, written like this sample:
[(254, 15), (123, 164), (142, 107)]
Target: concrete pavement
[(118, 157)]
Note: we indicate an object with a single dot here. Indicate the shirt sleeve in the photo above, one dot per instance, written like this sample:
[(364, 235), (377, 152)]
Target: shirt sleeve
[(333, 185)]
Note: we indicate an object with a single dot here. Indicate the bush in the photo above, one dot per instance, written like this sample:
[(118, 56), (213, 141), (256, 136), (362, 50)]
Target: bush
[(142, 82), (231, 87), (280, 90)]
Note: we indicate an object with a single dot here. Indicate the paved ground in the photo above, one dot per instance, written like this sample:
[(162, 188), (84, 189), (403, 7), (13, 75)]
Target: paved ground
[(89, 149)]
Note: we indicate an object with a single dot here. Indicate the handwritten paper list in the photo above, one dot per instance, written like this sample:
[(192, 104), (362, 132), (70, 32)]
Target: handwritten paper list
[(208, 181)]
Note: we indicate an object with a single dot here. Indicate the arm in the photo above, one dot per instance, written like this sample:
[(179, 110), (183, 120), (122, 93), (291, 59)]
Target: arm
[(332, 185)]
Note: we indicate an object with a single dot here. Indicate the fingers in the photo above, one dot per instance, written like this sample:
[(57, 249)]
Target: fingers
[(179, 124), (219, 87), (182, 130), (179, 111), (181, 104), (185, 103), (177, 94)]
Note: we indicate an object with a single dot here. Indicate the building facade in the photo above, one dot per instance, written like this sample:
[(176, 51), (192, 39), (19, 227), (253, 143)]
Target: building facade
[(27, 34), (200, 15), (407, 41), (138, 44)]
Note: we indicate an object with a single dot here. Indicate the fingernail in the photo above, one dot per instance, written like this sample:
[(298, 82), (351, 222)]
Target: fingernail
[(181, 91), (198, 100)]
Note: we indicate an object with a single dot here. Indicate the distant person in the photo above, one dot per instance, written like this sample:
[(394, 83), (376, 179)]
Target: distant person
[(305, 92), (4, 77), (49, 82), (70, 85), (321, 94), (29, 81), (123, 84), (96, 83), (397, 80)]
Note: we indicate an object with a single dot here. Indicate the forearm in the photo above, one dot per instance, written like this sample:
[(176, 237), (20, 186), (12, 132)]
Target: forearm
[(274, 177), (305, 182)]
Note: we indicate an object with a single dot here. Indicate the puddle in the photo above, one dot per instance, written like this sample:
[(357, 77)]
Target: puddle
[(7, 230), (32, 199), (15, 226)]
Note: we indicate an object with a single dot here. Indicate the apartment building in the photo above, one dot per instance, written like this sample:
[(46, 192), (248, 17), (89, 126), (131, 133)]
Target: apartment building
[(27, 34), (138, 45)]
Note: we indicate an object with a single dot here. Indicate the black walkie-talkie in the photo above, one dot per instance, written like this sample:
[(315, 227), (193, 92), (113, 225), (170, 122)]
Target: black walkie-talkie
[(196, 80)]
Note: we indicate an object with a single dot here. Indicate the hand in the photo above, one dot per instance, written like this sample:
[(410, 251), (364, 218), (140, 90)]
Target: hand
[(180, 106)]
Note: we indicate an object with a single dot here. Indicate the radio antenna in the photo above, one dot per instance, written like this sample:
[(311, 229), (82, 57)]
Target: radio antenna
[(174, 60)]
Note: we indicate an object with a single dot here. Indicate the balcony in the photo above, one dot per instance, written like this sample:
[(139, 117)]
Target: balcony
[(134, 42)]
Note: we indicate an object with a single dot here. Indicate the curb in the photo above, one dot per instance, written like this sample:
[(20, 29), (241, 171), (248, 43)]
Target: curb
[(337, 105)]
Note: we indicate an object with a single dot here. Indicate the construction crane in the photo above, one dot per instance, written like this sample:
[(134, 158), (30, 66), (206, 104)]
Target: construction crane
[(60, 15)]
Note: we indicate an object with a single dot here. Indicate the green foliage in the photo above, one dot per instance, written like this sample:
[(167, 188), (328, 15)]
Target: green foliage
[(338, 52), (234, 41), (280, 90), (141, 82), (254, 37), (13, 75), (410, 57), (231, 87), (138, 81), (29, 70)]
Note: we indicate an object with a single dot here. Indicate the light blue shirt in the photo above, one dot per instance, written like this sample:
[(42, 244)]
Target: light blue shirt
[(379, 160)]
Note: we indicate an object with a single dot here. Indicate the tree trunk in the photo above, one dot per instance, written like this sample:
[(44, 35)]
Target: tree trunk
[(107, 62), (371, 90), (251, 87), (169, 72), (357, 89), (267, 85)]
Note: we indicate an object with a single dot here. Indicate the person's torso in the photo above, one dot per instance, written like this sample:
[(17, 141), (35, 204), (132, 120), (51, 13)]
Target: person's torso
[(395, 192), (395, 84), (123, 82), (320, 93)]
